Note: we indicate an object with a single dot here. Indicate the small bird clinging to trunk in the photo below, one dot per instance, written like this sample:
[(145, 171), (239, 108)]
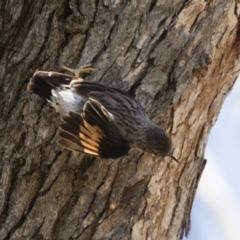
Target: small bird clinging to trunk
[(98, 120)]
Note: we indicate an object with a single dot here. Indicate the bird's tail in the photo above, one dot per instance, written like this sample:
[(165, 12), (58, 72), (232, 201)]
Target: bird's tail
[(43, 82)]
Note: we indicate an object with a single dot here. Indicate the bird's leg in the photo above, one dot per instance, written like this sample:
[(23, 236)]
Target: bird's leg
[(79, 71)]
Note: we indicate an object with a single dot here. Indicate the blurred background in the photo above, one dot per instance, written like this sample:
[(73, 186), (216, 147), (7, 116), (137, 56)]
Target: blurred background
[(216, 209)]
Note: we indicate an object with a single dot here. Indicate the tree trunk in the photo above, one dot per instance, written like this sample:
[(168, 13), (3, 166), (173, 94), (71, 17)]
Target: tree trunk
[(179, 58)]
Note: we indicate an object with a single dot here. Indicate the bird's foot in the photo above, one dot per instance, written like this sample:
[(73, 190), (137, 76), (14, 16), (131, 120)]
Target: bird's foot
[(79, 71)]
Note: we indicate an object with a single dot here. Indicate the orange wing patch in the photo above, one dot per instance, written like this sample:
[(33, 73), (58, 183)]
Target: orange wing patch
[(78, 135), (92, 132)]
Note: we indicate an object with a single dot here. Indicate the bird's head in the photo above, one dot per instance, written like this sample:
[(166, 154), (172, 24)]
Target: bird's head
[(158, 142)]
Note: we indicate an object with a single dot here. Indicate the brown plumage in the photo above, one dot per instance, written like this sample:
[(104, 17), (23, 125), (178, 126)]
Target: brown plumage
[(99, 120)]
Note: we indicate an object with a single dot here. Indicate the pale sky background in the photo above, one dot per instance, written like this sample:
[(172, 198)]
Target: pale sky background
[(216, 209)]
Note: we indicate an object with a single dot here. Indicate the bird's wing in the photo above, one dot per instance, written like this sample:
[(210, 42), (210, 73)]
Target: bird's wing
[(85, 88), (92, 132)]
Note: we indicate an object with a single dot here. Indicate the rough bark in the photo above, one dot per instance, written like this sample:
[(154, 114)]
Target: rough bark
[(179, 58)]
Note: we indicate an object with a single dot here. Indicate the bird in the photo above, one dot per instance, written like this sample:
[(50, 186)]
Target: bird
[(98, 120)]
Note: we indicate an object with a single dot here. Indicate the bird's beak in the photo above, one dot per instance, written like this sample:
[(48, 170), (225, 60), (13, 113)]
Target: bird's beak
[(172, 157)]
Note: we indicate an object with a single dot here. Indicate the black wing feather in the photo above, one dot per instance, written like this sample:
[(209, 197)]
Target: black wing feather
[(93, 132)]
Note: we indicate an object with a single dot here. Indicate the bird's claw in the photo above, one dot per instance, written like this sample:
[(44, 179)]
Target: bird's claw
[(79, 71)]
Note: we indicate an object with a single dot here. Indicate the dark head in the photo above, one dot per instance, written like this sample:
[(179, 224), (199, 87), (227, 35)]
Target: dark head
[(158, 142)]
